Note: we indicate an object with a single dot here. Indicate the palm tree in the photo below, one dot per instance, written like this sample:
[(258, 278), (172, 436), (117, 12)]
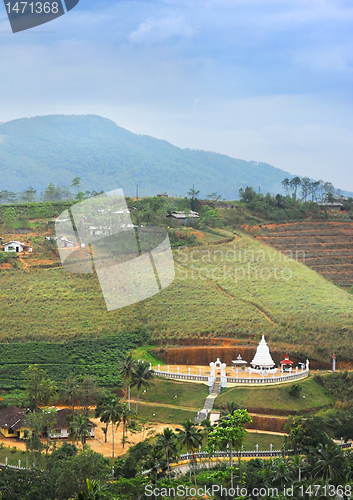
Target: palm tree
[(191, 438), (79, 428), (127, 369), (167, 441), (70, 391), (125, 415), (112, 412), (94, 491), (330, 463), (281, 473), (229, 409), (141, 378)]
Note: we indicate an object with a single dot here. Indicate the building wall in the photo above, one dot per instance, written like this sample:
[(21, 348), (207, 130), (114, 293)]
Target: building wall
[(7, 248)]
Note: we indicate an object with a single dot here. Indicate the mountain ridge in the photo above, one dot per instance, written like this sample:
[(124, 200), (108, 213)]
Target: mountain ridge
[(56, 148)]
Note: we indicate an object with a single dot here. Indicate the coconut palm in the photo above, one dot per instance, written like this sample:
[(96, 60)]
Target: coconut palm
[(141, 378), (111, 413), (229, 409), (330, 464), (79, 428), (125, 415), (167, 441), (281, 472), (127, 369), (191, 438)]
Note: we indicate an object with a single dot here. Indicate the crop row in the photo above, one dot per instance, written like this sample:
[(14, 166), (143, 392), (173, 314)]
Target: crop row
[(96, 357)]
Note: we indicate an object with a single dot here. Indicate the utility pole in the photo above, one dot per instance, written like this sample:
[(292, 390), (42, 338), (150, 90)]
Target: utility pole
[(137, 191)]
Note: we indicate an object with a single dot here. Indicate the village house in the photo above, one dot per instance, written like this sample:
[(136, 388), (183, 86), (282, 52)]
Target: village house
[(61, 430), (181, 215), (12, 423), (14, 246), (331, 205)]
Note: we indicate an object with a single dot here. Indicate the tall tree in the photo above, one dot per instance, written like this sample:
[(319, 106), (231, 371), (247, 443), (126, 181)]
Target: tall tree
[(79, 426), (230, 433), (111, 414), (76, 182), (330, 463), (39, 388), (52, 193), (127, 368), (285, 184), (29, 195), (70, 391), (89, 391), (167, 442), (294, 185), (190, 437), (214, 197), (141, 378), (230, 408), (305, 187), (126, 414)]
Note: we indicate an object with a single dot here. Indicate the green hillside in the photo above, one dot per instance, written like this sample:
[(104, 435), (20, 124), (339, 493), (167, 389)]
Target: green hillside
[(261, 292), (44, 149)]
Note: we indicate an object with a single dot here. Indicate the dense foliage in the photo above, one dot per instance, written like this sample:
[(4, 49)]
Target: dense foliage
[(98, 357)]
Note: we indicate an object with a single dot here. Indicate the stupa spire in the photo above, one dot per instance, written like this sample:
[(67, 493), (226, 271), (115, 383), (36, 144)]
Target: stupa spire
[(262, 358)]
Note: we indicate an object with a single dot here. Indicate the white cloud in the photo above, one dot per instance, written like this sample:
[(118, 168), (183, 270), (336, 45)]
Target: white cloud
[(158, 30)]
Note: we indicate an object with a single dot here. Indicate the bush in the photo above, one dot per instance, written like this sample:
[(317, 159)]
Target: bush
[(295, 390)]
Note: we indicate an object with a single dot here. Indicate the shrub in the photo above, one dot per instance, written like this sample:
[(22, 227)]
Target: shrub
[(295, 390)]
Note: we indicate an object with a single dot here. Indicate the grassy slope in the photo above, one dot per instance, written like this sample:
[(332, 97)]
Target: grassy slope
[(164, 391), (303, 311), (277, 397)]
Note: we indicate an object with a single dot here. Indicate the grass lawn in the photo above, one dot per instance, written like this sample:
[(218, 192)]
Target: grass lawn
[(164, 415), (144, 354), (263, 440), (14, 456), (277, 397), (164, 392)]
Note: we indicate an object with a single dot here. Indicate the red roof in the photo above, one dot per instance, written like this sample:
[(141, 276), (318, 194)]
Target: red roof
[(286, 361)]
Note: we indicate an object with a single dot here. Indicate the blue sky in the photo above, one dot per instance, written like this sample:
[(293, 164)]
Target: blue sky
[(264, 80)]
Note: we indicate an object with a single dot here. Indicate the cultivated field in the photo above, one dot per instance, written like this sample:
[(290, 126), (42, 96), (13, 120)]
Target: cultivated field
[(326, 247)]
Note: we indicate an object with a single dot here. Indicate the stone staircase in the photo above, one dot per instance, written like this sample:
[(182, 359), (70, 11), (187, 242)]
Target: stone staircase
[(208, 405)]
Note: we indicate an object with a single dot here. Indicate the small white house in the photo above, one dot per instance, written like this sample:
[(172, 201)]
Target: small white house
[(14, 246), (65, 243)]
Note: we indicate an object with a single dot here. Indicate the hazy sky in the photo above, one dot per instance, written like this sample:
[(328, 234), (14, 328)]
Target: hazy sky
[(265, 80)]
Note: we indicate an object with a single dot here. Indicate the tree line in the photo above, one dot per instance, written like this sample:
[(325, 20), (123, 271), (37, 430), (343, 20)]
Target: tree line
[(51, 193)]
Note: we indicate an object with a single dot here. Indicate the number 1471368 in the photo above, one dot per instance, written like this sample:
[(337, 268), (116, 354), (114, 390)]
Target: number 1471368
[(33, 8)]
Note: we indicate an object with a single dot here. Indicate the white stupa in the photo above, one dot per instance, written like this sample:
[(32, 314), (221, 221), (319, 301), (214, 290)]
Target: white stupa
[(262, 360)]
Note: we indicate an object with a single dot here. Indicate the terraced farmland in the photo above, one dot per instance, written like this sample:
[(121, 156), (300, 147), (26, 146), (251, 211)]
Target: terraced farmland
[(326, 247)]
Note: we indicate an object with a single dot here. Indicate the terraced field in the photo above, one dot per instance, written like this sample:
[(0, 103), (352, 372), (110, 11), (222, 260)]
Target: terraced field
[(326, 247)]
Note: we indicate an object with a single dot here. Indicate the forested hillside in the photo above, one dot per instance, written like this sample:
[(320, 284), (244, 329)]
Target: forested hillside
[(44, 149)]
